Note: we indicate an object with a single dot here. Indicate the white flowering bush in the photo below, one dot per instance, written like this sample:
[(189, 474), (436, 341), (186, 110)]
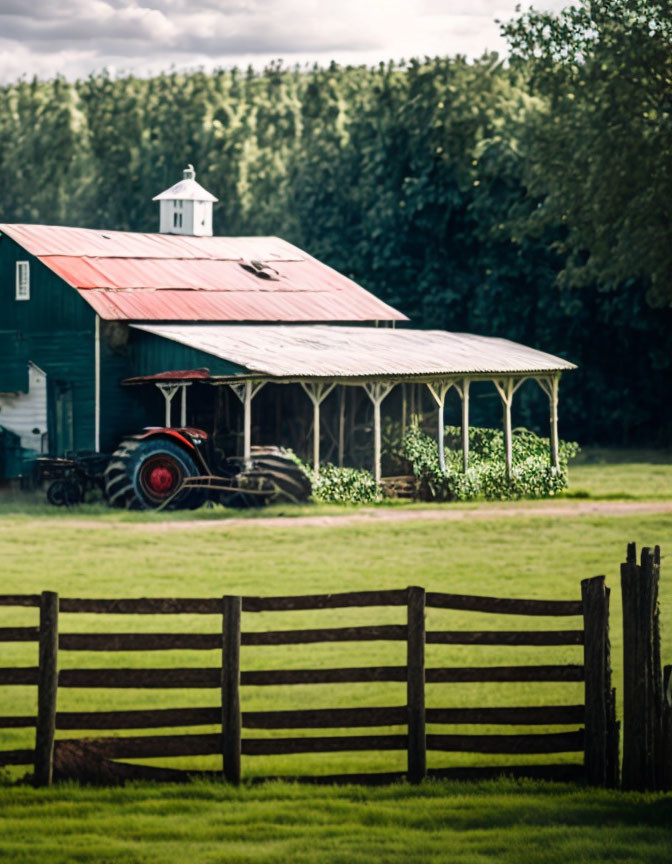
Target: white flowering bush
[(532, 474)]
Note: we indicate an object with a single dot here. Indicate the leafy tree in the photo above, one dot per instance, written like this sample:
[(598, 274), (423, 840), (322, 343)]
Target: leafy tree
[(600, 148)]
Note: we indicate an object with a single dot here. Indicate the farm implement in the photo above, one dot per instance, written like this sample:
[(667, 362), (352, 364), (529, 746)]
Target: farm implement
[(176, 468)]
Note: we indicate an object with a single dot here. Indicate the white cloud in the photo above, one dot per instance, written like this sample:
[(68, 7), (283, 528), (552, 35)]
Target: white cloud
[(75, 37)]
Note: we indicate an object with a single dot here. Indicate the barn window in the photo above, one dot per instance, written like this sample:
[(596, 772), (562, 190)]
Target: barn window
[(22, 280), (177, 220)]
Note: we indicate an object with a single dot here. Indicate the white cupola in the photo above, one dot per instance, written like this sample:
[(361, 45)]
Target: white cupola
[(186, 208)]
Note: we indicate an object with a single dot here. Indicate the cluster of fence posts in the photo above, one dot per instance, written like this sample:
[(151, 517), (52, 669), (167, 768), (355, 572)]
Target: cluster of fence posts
[(647, 718), (602, 728)]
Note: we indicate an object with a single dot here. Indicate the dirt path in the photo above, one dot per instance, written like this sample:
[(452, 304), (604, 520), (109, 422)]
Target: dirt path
[(370, 516)]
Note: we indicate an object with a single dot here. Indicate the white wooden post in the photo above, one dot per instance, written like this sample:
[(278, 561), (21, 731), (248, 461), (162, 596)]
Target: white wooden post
[(341, 425), (550, 386), (183, 404), (168, 391), (96, 393), (404, 409), (463, 390), (318, 392), (246, 391), (439, 389), (377, 391), (506, 387)]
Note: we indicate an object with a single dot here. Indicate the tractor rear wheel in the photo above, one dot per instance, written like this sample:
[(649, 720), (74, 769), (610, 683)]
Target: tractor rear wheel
[(271, 477), (142, 475)]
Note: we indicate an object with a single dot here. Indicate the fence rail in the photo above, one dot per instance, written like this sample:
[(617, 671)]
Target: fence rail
[(94, 757)]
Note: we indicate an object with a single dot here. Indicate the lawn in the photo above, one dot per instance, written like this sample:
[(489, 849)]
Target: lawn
[(503, 822), (528, 556), (621, 474)]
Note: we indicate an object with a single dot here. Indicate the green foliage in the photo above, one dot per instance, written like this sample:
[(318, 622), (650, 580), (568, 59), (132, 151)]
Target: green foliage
[(435, 184), (346, 486), (532, 474), (600, 145)]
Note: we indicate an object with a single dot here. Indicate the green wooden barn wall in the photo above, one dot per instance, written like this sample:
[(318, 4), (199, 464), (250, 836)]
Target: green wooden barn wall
[(55, 329), (154, 354)]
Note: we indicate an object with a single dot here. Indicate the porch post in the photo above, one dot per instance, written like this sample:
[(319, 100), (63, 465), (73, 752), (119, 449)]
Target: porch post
[(168, 391), (550, 386), (183, 404), (463, 390), (377, 391), (246, 391), (439, 389), (317, 392), (506, 387), (341, 425)]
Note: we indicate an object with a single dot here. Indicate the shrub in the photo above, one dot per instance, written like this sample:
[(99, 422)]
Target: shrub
[(346, 486), (532, 474)]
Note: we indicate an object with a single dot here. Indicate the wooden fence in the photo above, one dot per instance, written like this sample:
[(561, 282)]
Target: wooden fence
[(594, 733), (647, 687)]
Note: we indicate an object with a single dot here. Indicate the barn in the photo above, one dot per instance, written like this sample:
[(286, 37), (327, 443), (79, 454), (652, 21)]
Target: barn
[(105, 332)]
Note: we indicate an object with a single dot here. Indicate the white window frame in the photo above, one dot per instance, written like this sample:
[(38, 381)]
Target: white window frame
[(22, 280)]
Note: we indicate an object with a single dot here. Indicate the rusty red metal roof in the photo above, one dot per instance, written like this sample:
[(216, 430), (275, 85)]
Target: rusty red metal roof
[(162, 277), (202, 374)]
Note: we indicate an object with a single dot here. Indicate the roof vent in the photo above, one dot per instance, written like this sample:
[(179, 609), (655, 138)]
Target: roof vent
[(261, 269)]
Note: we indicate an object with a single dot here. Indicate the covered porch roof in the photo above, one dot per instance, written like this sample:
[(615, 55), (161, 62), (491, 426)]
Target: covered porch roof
[(304, 352), (321, 357)]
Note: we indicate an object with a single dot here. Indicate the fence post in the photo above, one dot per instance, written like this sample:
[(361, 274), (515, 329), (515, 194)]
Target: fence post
[(642, 673), (667, 730), (598, 741), (231, 720), (47, 688), (415, 685)]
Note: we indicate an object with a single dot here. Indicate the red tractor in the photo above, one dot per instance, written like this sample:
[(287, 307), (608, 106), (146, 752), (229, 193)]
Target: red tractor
[(179, 468)]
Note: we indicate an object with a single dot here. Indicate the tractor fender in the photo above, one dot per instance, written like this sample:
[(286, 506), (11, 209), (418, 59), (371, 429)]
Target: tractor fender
[(181, 436)]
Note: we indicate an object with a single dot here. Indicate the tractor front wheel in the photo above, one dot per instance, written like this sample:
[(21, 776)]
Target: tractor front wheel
[(143, 475)]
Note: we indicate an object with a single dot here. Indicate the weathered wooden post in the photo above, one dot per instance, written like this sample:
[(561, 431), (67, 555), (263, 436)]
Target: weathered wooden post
[(47, 689), (667, 729), (231, 718), (642, 673), (598, 693), (415, 685)]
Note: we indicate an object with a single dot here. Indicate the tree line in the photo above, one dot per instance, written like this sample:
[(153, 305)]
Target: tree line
[(528, 200)]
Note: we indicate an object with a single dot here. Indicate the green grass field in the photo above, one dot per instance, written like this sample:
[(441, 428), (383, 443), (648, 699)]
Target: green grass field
[(503, 822), (525, 556)]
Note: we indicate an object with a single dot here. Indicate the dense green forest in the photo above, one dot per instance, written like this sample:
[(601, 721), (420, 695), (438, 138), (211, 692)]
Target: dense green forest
[(529, 199)]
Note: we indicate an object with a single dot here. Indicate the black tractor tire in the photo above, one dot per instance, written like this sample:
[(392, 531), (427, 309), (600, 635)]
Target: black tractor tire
[(134, 467), (65, 492), (272, 477)]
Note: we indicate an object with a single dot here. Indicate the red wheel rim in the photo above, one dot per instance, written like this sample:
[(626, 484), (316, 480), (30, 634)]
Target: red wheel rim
[(160, 476), (161, 480)]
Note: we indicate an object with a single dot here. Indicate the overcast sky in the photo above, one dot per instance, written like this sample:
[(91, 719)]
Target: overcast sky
[(75, 37)]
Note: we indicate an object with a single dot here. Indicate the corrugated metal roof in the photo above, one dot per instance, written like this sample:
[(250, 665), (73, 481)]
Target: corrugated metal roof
[(185, 190), (321, 351), (161, 277), (43, 240)]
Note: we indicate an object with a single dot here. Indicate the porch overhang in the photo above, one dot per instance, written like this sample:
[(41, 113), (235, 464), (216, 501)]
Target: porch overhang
[(321, 356)]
